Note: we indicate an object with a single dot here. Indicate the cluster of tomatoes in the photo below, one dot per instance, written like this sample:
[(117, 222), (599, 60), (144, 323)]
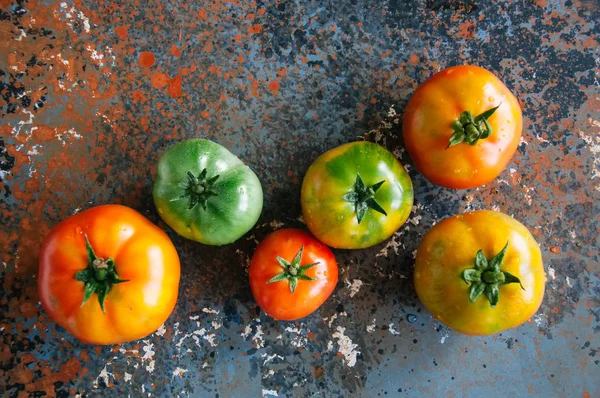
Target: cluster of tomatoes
[(108, 275)]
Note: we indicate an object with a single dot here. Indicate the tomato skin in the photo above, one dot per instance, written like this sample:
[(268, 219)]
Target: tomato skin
[(143, 254), (437, 103), (333, 220), (450, 247), (229, 214), (275, 298)]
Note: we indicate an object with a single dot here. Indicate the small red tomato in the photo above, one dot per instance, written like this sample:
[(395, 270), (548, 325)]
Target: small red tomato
[(292, 274)]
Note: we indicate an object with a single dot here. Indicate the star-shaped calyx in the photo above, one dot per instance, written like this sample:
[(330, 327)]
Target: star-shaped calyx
[(486, 277), (363, 198), (293, 271), (99, 276), (198, 188)]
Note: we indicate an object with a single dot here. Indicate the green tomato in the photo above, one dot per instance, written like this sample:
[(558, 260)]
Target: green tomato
[(356, 195), (205, 193)]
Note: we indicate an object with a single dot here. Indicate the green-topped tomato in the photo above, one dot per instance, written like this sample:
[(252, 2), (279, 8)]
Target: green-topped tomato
[(480, 272), (356, 195), (205, 193)]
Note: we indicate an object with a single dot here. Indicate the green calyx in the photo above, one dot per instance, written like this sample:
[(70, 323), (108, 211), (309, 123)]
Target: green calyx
[(198, 189), (99, 276), (363, 198), (293, 271), (486, 277), (471, 129)]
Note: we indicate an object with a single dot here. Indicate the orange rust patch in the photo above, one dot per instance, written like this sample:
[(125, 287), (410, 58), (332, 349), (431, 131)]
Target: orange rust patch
[(205, 114), (159, 80), (175, 51), (318, 372), (413, 59), (273, 87), (121, 32), (175, 87), (466, 30), (255, 29), (202, 14), (146, 59)]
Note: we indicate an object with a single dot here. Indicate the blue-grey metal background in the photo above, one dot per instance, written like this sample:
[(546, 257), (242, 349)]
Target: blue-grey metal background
[(87, 111)]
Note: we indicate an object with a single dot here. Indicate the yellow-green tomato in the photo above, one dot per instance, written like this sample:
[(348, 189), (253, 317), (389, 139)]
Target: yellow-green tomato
[(480, 272), (356, 195)]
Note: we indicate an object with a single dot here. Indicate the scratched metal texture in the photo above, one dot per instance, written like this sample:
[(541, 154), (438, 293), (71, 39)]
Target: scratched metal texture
[(85, 118)]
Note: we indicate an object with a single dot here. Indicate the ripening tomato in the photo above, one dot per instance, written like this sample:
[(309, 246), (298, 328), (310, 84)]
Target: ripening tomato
[(108, 275), (462, 127), (292, 274), (356, 195), (480, 272)]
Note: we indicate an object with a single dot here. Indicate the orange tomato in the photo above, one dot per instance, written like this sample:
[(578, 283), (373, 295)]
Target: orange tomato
[(292, 274), (480, 272), (125, 267), (437, 104)]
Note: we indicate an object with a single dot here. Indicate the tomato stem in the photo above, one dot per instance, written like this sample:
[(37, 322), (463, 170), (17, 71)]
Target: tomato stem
[(99, 276), (198, 189), (363, 198), (486, 277), (471, 129), (293, 271)]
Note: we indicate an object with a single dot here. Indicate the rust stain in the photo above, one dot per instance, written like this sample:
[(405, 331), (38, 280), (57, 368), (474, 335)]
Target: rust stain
[(273, 87), (175, 51), (122, 32), (160, 80), (175, 87), (146, 59)]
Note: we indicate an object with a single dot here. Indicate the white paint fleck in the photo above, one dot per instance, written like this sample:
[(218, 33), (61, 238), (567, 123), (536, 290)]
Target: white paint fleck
[(329, 346), (393, 243), (333, 318), (161, 330), (270, 358), (21, 35), (371, 327), (276, 224), (552, 273), (444, 337), (194, 317), (569, 281), (247, 331), (179, 372), (346, 347), (258, 336), (573, 234), (104, 375), (593, 142), (269, 392), (209, 311), (393, 330), (127, 377), (149, 355), (354, 286)]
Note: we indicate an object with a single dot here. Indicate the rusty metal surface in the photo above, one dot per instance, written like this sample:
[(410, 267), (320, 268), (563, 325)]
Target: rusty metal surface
[(85, 118)]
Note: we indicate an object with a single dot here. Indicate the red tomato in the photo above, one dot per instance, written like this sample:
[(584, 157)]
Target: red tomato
[(292, 274)]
